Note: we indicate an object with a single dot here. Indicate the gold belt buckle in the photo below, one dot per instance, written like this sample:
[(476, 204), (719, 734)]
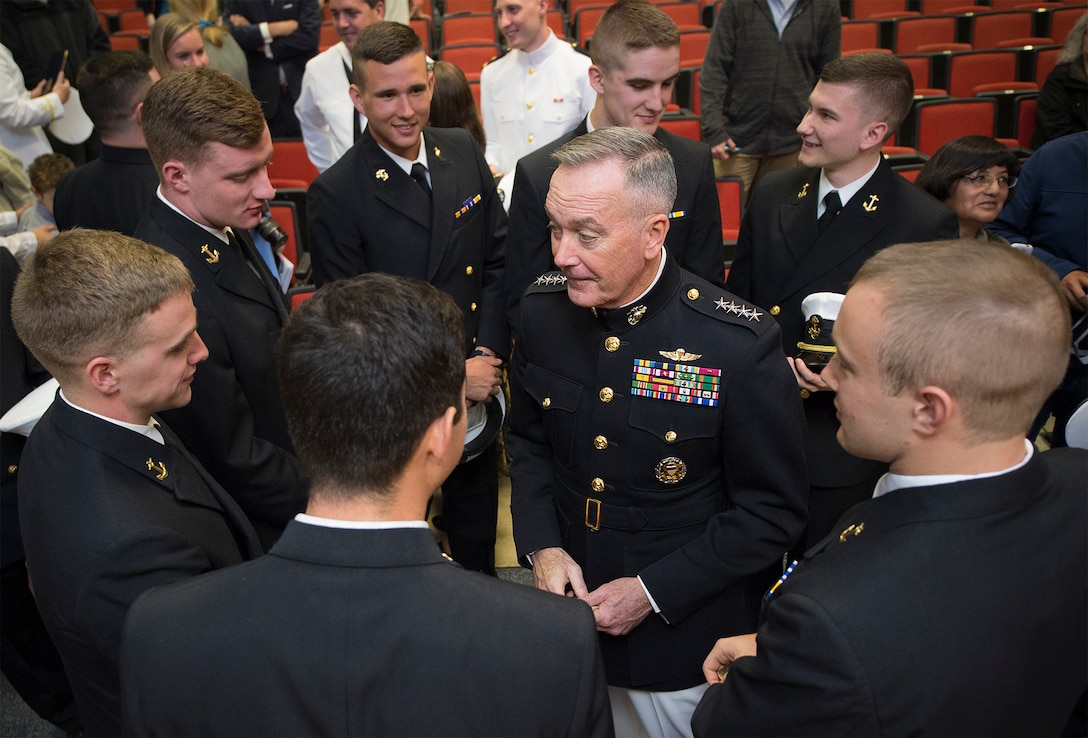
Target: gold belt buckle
[(592, 503)]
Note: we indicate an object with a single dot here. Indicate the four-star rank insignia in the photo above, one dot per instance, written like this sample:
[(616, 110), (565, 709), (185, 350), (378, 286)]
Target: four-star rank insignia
[(739, 309)]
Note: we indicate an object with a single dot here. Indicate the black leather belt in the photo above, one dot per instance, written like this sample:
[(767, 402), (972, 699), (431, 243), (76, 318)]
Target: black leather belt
[(596, 514)]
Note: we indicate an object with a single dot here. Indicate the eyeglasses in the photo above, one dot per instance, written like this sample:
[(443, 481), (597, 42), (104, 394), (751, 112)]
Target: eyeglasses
[(985, 180)]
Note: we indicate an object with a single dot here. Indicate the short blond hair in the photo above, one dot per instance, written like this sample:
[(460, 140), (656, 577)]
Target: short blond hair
[(982, 321), (85, 293), (631, 25)]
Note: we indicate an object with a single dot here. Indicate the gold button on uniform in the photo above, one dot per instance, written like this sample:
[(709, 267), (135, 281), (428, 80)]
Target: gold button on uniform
[(532, 70), (597, 484), (775, 310), (472, 306), (531, 137), (546, 402), (670, 436), (13, 468), (693, 294), (528, 106), (805, 394), (600, 443), (612, 344), (606, 394), (468, 270)]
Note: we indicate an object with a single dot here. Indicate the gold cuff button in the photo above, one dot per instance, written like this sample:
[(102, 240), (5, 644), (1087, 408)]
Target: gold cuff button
[(597, 484), (606, 394), (13, 468)]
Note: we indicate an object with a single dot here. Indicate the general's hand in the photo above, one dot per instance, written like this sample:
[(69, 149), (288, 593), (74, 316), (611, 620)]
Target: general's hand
[(554, 570), (806, 378), (483, 378), (619, 605), (1075, 289), (725, 652)]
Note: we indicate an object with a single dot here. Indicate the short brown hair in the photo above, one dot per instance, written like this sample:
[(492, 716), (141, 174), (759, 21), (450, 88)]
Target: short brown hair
[(110, 86), (982, 321), (46, 170), (384, 42), (883, 81), (631, 25), (85, 293), (194, 107)]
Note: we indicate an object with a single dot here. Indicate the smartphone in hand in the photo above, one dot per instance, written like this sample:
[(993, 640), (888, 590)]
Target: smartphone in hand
[(56, 65)]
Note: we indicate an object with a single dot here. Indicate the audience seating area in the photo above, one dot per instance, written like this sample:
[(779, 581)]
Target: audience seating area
[(977, 68)]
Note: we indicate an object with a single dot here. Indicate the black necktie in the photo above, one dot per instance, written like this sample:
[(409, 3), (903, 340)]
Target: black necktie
[(419, 174), (832, 206)]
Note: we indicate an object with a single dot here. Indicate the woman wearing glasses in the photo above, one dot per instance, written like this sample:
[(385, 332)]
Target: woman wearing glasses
[(973, 176)]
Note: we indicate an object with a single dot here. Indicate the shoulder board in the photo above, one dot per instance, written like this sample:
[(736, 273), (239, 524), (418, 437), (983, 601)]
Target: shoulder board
[(548, 282), (502, 53), (724, 306)]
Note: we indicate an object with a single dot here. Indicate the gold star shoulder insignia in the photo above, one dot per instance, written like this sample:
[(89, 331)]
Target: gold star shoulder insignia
[(382, 175)]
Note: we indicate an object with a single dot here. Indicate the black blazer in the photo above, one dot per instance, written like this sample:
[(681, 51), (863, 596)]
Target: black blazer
[(367, 215), (350, 632), (780, 261), (290, 52), (956, 609), (110, 193), (694, 239), (235, 423), (100, 527)]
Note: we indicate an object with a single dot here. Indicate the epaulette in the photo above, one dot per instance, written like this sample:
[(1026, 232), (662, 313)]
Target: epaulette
[(724, 306), (501, 54), (548, 282)]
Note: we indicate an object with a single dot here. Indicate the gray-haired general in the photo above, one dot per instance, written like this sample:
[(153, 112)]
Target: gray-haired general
[(646, 399)]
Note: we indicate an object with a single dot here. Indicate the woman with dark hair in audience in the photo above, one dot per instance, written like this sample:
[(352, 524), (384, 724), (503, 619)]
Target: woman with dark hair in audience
[(1062, 107), (973, 176), (452, 103)]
